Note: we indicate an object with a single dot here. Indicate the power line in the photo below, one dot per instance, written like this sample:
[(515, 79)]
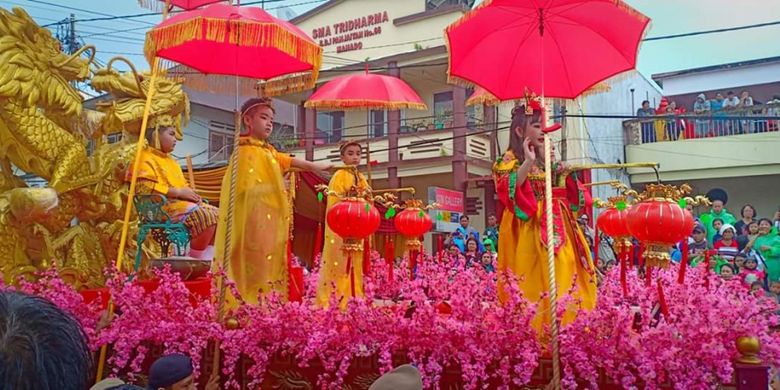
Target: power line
[(720, 30)]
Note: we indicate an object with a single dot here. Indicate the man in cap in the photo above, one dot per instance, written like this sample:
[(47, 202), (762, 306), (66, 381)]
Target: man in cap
[(174, 372)]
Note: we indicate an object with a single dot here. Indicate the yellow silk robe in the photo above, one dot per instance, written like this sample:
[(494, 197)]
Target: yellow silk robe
[(525, 254), (261, 221), (333, 271), (159, 172)]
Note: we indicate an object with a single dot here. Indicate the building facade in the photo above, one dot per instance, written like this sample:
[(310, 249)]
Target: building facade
[(733, 149)]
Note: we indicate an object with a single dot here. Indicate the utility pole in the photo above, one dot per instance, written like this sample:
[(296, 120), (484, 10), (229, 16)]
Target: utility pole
[(66, 34)]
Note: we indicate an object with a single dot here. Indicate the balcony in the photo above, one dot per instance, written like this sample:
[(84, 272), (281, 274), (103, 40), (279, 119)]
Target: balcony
[(432, 148), (734, 143)]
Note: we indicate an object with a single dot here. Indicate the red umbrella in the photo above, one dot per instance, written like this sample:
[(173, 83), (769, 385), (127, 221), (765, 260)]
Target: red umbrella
[(366, 91), (558, 48), (159, 5), (229, 40)]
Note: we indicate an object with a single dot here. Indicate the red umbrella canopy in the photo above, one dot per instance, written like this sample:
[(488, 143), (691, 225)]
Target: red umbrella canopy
[(158, 5), (364, 91), (238, 41), (556, 47)]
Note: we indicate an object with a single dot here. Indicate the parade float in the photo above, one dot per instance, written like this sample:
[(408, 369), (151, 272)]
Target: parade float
[(655, 325)]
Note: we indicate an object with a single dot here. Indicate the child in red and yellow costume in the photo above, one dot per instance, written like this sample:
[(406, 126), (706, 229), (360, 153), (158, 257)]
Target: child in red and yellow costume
[(520, 184)]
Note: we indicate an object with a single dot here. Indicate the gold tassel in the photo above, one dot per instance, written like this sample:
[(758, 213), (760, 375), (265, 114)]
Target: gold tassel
[(362, 104), (157, 137)]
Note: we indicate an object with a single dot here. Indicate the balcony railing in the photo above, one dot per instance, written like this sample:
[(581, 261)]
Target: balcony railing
[(660, 128)]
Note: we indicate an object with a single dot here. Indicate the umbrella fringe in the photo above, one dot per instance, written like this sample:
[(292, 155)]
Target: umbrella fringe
[(237, 32), (247, 86), (362, 104), (631, 10), (465, 18)]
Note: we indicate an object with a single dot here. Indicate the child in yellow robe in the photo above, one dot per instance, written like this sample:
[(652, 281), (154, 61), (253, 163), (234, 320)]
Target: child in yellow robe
[(159, 173), (262, 212), (520, 185), (334, 276)]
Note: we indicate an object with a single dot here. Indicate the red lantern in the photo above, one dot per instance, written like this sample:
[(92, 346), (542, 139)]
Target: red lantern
[(413, 223), (614, 222), (659, 222), (353, 219)]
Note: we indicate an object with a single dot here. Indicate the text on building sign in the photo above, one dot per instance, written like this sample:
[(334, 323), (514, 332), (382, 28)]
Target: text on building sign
[(348, 34)]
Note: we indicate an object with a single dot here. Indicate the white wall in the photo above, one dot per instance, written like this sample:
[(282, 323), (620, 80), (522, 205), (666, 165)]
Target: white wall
[(722, 78), (597, 140), (196, 133)]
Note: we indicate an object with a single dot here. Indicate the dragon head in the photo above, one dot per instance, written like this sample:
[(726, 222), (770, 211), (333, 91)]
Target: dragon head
[(34, 69), (170, 106)]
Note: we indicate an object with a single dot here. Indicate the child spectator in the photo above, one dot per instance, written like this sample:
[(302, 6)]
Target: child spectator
[(757, 289), (717, 223), (487, 262), (750, 274), (727, 271), (727, 246)]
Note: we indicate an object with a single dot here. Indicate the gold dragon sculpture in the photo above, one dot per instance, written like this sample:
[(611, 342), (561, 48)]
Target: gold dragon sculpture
[(45, 131)]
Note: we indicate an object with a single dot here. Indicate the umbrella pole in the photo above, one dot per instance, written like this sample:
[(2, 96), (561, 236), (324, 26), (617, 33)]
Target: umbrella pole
[(368, 146), (129, 206), (553, 289)]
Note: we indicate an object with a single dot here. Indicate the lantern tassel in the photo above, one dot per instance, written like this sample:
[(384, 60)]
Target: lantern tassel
[(641, 259), (389, 258), (440, 246), (623, 258), (648, 276), (351, 274), (683, 262), (662, 299), (596, 241), (412, 263), (366, 256), (707, 269)]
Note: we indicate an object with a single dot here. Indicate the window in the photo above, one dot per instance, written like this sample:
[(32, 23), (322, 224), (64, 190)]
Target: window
[(220, 141), (472, 113), (329, 127), (559, 109), (442, 108), (114, 138), (378, 123)]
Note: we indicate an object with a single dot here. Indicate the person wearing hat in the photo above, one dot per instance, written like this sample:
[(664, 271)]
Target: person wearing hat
[(719, 198), (159, 173), (702, 108), (334, 277), (405, 377), (727, 246), (262, 211), (519, 177), (174, 372)]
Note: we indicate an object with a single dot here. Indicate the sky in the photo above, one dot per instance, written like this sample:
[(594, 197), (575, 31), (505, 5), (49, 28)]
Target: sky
[(125, 37)]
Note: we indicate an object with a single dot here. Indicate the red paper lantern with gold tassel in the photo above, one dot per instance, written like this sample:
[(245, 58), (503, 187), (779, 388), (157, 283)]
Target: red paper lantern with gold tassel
[(412, 223), (353, 219)]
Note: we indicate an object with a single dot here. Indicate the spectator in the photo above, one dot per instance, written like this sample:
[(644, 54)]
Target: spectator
[(487, 262), (757, 289), (472, 254), (718, 211), (648, 132), (583, 221), (697, 245), (702, 108), (773, 110), (41, 346), (750, 273), (726, 271), (463, 233), (717, 223), (491, 231), (174, 372), (660, 125), (404, 377), (747, 213), (768, 245), (745, 102), (672, 127), (727, 246), (750, 237), (739, 261), (716, 107), (774, 292), (730, 104)]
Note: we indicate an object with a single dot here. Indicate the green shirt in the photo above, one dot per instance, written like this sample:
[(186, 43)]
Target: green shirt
[(707, 219)]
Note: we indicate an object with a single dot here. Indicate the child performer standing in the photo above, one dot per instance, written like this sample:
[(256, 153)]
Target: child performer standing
[(159, 173), (261, 214), (334, 276), (519, 176)]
